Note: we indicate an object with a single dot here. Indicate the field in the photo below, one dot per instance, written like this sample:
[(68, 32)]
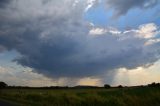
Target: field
[(141, 96)]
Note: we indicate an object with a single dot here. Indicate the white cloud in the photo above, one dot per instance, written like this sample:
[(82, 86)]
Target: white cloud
[(138, 76), (97, 31), (148, 30), (91, 3), (25, 77), (101, 31), (152, 41)]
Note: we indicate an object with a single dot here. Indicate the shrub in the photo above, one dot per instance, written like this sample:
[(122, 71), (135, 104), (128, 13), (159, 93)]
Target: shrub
[(3, 85), (120, 86), (107, 86)]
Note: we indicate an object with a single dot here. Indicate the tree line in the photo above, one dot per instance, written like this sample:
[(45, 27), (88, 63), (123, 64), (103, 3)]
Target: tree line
[(107, 86)]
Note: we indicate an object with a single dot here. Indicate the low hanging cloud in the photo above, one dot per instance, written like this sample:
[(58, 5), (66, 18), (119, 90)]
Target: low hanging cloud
[(121, 7), (58, 42)]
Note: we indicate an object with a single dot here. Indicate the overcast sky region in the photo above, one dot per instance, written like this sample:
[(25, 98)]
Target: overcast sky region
[(79, 42)]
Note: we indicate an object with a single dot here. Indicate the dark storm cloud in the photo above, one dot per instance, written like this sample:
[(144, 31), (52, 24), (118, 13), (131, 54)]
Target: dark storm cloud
[(56, 43), (121, 7), (3, 3)]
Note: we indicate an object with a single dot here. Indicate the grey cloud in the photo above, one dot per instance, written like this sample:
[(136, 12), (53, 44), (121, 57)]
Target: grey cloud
[(58, 44), (2, 48), (121, 7), (3, 3)]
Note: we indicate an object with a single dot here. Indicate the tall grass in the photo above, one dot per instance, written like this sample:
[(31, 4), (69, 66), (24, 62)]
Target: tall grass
[(145, 96)]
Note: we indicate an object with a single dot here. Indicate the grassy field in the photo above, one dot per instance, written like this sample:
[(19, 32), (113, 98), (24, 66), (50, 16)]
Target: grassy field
[(142, 96)]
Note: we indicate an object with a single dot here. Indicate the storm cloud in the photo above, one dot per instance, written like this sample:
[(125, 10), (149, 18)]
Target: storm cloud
[(121, 7), (3, 3), (53, 39)]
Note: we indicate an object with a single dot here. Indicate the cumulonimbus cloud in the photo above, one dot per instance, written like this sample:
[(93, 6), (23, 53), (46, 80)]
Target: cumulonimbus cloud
[(55, 40)]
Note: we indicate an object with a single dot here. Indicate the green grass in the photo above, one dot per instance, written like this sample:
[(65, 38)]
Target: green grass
[(146, 96)]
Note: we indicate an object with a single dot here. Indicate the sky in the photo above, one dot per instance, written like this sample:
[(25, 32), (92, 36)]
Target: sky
[(79, 42)]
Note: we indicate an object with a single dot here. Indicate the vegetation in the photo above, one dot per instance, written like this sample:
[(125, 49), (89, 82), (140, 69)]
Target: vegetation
[(154, 84), (84, 97), (65, 96), (3, 85), (107, 86)]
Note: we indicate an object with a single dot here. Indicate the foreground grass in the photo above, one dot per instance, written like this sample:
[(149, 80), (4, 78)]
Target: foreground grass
[(145, 96)]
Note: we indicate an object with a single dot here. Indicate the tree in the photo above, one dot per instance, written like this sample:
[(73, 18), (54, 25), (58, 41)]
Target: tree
[(107, 86), (154, 84), (3, 85), (120, 86)]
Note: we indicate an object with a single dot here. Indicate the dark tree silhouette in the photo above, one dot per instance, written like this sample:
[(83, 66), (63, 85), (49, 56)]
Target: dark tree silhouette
[(154, 84), (120, 86), (107, 86), (3, 85)]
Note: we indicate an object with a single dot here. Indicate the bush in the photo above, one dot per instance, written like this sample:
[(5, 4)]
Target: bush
[(154, 84), (107, 86), (120, 86), (3, 85)]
